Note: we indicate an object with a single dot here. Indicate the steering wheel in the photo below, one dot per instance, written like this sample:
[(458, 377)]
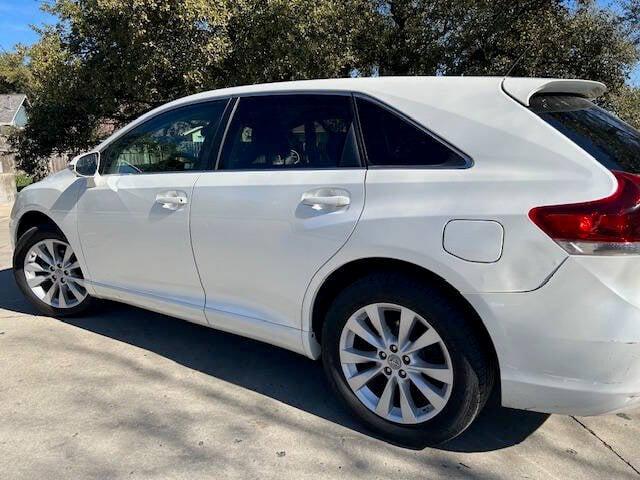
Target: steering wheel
[(293, 158)]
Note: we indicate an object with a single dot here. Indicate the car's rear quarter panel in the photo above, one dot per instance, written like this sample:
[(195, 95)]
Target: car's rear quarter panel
[(519, 162)]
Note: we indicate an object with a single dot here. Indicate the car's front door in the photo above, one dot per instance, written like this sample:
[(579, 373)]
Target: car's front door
[(287, 193), (134, 223)]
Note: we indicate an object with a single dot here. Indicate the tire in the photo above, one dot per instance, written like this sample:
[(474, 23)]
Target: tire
[(464, 361), (71, 304)]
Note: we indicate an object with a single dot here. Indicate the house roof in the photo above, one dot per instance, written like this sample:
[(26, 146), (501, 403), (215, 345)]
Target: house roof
[(9, 106)]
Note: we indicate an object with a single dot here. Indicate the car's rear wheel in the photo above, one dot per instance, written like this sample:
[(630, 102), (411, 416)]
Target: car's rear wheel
[(406, 359), (48, 272)]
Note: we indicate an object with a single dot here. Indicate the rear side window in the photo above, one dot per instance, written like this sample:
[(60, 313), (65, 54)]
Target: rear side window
[(284, 132), (612, 142), (393, 141)]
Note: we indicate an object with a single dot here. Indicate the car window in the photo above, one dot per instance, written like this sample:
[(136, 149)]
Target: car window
[(393, 141), (614, 143), (291, 132), (174, 141)]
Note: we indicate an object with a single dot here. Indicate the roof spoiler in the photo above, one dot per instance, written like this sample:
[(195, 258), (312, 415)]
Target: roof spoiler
[(522, 89)]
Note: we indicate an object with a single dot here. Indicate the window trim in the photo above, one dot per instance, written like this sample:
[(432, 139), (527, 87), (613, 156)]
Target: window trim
[(133, 125), (221, 133), (213, 163), (223, 139), (238, 99), (469, 162)]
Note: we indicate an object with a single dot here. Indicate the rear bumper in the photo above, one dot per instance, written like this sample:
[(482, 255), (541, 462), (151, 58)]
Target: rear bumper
[(573, 345)]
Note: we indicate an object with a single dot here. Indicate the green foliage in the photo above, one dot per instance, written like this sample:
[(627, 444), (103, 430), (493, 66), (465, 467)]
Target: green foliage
[(15, 76), (298, 39), (631, 19), (22, 180), (626, 104), (485, 37), (107, 61)]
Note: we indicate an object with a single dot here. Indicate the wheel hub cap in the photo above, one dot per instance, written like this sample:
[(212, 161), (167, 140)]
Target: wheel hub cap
[(394, 362)]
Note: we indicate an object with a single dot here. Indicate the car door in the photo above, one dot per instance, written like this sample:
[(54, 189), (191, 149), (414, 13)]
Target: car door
[(286, 195), (134, 222)]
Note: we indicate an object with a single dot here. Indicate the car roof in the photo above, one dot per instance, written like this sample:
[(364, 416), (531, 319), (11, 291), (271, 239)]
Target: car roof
[(520, 89)]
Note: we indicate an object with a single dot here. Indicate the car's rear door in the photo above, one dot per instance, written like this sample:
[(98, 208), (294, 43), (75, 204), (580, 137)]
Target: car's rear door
[(286, 195), (134, 223)]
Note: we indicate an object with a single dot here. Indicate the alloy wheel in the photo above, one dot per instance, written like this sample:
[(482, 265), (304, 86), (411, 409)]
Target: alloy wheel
[(396, 363), (53, 274)]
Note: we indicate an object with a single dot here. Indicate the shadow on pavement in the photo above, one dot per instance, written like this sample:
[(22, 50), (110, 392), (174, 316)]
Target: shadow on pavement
[(11, 298), (280, 374)]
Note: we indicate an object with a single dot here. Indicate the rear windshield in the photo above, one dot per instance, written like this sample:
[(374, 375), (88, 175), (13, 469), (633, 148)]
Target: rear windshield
[(615, 144)]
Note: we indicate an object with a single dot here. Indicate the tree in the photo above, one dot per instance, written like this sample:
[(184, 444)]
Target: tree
[(631, 19), (626, 104), (15, 76), (486, 37), (298, 39), (107, 61)]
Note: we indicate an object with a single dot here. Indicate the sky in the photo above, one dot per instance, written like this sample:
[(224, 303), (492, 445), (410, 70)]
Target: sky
[(16, 16)]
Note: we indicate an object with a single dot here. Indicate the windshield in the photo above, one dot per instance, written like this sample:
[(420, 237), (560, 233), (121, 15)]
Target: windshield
[(614, 143)]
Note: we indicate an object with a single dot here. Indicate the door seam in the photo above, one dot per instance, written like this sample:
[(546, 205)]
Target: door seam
[(80, 242), (355, 225), (193, 252)]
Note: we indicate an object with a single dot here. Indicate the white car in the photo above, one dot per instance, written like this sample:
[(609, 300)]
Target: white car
[(432, 239)]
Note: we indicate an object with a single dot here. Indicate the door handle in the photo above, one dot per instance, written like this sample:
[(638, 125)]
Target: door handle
[(326, 197), (172, 200)]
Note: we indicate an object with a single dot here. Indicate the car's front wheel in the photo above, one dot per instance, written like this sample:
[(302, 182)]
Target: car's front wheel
[(406, 359), (48, 272)]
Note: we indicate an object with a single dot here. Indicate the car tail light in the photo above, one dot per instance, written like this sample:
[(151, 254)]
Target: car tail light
[(610, 226)]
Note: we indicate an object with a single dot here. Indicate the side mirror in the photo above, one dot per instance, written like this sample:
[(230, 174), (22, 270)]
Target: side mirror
[(86, 165)]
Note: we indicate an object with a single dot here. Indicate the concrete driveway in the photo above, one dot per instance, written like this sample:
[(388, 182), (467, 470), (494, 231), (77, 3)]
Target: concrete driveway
[(131, 394)]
